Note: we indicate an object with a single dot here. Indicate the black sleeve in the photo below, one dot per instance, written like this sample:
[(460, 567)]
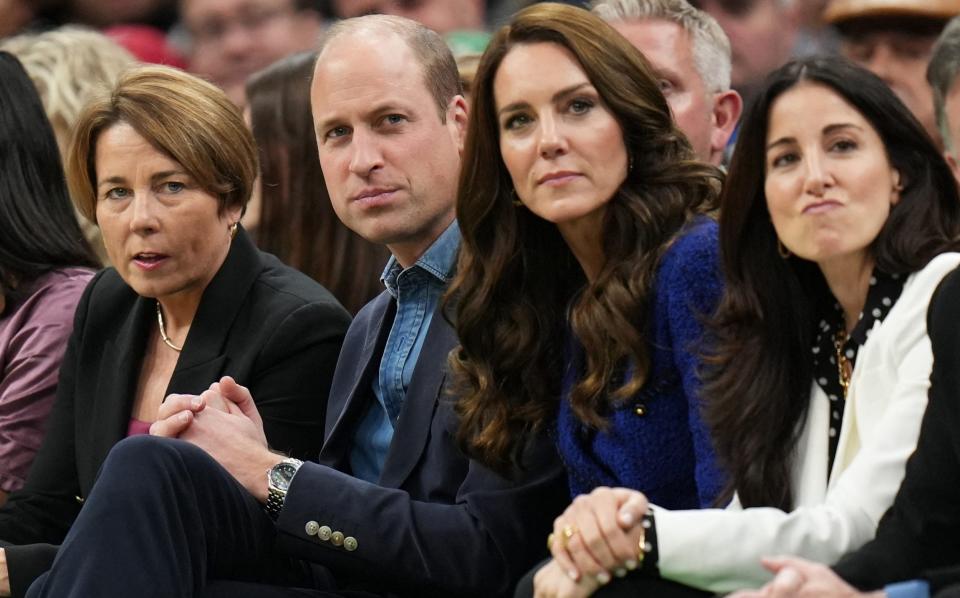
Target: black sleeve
[(919, 531)]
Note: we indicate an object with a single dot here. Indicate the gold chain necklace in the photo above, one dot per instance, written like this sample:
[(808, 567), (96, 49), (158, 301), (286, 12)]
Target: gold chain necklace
[(844, 368), (163, 331)]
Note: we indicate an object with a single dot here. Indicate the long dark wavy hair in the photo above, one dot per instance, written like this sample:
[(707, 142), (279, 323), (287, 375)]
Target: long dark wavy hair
[(297, 222), (38, 228), (519, 290), (757, 383)]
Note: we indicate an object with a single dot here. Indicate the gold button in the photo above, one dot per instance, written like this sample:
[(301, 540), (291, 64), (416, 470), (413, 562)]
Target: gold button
[(324, 532), (640, 410), (312, 528), (350, 543), (336, 538)]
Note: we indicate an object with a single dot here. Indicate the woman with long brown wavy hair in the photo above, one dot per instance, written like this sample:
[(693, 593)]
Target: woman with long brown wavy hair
[(839, 220), (587, 263)]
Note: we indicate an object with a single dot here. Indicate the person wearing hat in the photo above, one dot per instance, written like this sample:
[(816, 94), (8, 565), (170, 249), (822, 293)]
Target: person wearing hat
[(894, 39)]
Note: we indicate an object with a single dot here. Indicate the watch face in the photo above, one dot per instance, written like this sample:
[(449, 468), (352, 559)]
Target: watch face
[(281, 474)]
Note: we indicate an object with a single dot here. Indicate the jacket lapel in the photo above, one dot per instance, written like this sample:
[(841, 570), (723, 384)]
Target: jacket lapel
[(202, 361), (109, 416), (352, 389), (416, 416)]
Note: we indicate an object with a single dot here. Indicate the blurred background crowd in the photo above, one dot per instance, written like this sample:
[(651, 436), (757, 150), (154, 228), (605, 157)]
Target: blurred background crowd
[(262, 53), (72, 47)]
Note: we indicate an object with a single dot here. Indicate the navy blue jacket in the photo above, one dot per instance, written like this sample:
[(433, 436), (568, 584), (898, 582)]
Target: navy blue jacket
[(658, 442), (437, 523)]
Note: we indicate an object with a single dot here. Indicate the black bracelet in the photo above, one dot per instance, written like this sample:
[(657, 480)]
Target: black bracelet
[(651, 552)]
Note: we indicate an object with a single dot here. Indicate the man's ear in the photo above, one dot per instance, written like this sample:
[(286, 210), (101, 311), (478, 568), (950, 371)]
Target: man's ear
[(457, 119), (727, 107)]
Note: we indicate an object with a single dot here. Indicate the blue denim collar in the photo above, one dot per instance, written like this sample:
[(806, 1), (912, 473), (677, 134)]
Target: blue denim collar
[(439, 260)]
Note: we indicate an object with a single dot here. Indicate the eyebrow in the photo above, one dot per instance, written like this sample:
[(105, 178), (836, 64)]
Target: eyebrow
[(120, 180), (388, 107), (826, 131), (563, 92)]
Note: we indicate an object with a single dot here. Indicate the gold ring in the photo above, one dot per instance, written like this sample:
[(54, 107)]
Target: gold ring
[(642, 546), (568, 532)]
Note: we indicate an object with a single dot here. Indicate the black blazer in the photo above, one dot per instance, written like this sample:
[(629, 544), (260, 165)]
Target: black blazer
[(918, 535), (270, 327), (437, 523)]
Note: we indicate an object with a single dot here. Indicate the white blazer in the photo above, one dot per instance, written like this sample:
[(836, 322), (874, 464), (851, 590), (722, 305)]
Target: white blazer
[(720, 549)]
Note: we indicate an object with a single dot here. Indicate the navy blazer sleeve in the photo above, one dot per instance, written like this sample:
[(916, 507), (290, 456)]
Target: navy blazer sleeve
[(479, 544), (917, 537), (437, 523)]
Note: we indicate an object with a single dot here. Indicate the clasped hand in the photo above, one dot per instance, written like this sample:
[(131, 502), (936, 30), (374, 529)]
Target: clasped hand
[(225, 423), (596, 538), (798, 578)]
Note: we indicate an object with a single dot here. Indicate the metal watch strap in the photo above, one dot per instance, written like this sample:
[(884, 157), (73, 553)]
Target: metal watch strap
[(277, 496), (274, 504)]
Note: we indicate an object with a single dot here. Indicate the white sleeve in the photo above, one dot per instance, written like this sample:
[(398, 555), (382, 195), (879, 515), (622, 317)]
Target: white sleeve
[(720, 549)]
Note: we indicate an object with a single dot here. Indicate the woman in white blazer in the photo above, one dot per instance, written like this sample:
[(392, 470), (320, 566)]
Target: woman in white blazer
[(839, 218)]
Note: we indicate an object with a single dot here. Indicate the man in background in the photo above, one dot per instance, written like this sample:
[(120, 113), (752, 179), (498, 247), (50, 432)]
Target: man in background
[(894, 39), (691, 56), (229, 40)]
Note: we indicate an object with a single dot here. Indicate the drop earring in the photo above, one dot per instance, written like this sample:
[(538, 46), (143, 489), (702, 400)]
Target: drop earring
[(782, 249)]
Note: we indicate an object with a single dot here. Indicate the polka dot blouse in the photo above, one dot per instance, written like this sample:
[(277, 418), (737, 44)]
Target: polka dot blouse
[(883, 293)]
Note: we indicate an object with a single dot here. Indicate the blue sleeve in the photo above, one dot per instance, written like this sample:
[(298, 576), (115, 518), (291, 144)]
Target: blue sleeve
[(690, 277)]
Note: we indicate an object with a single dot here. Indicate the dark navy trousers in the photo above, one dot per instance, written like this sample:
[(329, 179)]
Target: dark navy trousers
[(165, 520)]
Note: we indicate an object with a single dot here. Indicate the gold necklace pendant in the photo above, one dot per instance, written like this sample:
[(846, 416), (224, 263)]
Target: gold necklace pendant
[(844, 369), (163, 331)]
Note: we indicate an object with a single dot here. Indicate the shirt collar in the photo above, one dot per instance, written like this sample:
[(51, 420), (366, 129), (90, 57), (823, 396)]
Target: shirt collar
[(439, 260)]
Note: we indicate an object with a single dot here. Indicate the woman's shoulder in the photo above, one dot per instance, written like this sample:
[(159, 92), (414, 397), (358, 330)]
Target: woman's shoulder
[(930, 276), (697, 242), (693, 257), (61, 284), (70, 276), (907, 317), (282, 285)]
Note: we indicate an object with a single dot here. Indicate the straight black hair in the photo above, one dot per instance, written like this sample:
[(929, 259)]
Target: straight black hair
[(757, 386), (38, 226)]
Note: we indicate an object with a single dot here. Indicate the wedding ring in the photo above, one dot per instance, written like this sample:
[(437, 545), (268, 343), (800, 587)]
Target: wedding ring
[(568, 532), (642, 546)]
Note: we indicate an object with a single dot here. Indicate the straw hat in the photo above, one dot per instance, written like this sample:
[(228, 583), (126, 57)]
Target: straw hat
[(842, 10)]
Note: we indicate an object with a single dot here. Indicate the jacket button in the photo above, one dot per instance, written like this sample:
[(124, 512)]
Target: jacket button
[(312, 528), (350, 543), (324, 532), (336, 538), (640, 410)]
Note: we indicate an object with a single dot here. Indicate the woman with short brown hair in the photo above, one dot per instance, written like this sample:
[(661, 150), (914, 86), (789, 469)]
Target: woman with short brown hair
[(164, 165)]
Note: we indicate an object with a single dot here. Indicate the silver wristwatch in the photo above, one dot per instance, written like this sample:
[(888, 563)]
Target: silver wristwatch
[(278, 482)]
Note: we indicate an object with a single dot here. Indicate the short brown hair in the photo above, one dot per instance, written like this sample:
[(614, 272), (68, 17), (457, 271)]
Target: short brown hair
[(186, 118)]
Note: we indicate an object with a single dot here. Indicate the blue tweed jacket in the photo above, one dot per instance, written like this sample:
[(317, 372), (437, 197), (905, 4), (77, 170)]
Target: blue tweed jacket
[(657, 442)]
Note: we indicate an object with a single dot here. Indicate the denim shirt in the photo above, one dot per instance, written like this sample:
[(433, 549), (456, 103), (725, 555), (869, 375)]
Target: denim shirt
[(417, 291)]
